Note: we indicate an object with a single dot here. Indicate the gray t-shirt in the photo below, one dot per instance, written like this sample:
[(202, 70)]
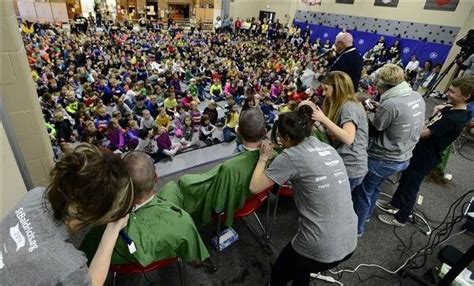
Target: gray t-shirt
[(327, 223), (354, 155), (400, 119), (35, 248)]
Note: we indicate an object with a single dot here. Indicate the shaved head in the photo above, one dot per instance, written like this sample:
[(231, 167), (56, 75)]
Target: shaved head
[(345, 39), (252, 125), (142, 172)]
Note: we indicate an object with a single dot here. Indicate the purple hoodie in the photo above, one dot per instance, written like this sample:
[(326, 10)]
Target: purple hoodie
[(163, 141), (116, 137)]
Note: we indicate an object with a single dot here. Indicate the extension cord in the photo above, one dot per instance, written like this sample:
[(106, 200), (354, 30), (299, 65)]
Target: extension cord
[(329, 279)]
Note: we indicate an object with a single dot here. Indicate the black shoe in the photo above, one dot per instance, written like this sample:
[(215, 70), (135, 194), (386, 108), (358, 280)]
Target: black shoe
[(216, 141)]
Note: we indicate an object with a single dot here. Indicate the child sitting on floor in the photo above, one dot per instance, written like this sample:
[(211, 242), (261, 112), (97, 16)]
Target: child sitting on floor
[(230, 123), (188, 132), (163, 119), (195, 114), (147, 144), (115, 135), (131, 135), (178, 122), (211, 112), (164, 143), (206, 131), (147, 121)]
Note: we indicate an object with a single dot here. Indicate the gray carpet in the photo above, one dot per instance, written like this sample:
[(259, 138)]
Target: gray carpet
[(247, 263)]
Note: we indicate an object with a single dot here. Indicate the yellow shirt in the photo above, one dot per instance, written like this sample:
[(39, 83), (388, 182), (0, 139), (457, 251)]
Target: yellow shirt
[(163, 121), (170, 103), (233, 121), (27, 30)]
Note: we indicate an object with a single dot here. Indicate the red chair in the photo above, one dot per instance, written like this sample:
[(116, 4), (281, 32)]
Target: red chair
[(249, 208), (284, 191), (135, 268)]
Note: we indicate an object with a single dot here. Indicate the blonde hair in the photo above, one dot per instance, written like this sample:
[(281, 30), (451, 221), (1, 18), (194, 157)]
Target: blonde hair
[(343, 91), (391, 75)]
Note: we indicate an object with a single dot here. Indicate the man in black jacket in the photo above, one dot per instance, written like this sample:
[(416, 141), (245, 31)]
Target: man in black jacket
[(348, 58)]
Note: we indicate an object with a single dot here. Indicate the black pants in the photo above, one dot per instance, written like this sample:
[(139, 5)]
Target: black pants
[(291, 266), (404, 198)]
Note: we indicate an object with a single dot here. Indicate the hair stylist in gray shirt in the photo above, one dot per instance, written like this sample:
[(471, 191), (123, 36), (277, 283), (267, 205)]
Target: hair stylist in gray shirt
[(87, 188), (345, 119), (326, 233)]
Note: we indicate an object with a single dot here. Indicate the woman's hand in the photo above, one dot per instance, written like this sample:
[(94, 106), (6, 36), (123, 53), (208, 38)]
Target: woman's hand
[(118, 225), (318, 115), (266, 150)]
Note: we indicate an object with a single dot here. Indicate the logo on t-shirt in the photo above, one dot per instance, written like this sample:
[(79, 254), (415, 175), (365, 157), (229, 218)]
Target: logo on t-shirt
[(17, 236)]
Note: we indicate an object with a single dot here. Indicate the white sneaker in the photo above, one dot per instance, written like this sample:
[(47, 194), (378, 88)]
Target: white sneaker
[(386, 207), (390, 219)]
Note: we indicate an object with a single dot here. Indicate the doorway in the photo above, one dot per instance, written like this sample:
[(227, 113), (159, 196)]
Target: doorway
[(178, 11)]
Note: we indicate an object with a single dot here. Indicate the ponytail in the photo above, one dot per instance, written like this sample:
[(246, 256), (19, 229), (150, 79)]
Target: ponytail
[(294, 126)]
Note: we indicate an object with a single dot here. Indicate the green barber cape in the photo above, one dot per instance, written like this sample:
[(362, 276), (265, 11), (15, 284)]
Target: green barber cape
[(221, 189), (159, 230)]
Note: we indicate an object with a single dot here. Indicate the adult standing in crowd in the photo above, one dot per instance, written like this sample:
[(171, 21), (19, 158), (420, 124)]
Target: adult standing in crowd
[(326, 233), (397, 125), (344, 117), (348, 58), (443, 127), (87, 188)]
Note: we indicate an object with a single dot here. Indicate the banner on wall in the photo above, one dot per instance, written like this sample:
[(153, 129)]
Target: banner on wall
[(364, 41), (386, 3), (443, 5), (345, 1)]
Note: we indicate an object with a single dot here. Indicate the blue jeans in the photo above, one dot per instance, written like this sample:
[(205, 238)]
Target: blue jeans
[(229, 134), (354, 182), (365, 195)]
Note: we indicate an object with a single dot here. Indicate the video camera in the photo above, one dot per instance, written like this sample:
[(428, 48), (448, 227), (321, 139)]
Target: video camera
[(466, 44)]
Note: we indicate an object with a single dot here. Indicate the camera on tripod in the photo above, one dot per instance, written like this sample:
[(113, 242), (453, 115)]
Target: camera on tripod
[(467, 49), (466, 44)]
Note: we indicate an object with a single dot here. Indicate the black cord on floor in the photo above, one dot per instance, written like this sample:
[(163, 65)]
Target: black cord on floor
[(440, 233)]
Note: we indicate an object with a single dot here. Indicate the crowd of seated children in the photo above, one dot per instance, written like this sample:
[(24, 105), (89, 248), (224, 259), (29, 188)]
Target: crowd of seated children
[(154, 77)]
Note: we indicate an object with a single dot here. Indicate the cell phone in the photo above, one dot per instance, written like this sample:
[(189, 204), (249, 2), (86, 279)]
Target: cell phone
[(369, 104)]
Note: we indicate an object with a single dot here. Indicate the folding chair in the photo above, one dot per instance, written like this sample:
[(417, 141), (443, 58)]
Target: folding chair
[(136, 268), (465, 138), (284, 190), (249, 208)]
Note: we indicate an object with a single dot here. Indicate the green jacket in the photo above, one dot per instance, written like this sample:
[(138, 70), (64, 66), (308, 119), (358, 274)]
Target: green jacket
[(221, 189), (159, 230)]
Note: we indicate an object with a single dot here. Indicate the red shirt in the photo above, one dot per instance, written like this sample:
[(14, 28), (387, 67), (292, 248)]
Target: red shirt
[(238, 24)]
